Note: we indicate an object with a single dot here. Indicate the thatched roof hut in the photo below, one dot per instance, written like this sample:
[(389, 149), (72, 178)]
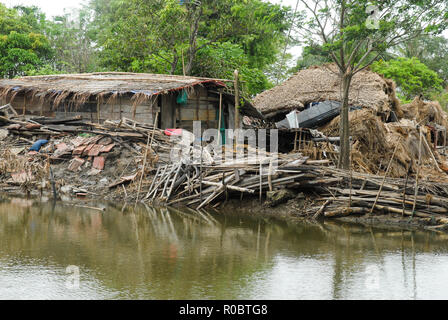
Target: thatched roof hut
[(113, 95), (321, 83)]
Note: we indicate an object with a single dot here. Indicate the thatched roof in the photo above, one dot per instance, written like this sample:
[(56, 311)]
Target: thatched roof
[(320, 83), (80, 87)]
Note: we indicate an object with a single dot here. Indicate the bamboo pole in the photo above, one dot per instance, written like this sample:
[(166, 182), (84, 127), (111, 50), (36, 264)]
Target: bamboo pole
[(418, 172), (237, 100), (154, 129), (143, 170), (270, 176), (220, 118), (98, 110), (24, 106), (295, 140), (385, 176), (432, 155), (261, 181)]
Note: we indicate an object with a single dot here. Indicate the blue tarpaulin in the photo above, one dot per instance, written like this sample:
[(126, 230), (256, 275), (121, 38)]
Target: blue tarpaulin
[(37, 145)]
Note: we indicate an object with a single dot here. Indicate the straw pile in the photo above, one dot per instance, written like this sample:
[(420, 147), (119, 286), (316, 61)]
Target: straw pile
[(374, 143), (425, 112), (23, 169), (320, 83)]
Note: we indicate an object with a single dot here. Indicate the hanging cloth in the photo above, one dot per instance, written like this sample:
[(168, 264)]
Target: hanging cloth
[(182, 98)]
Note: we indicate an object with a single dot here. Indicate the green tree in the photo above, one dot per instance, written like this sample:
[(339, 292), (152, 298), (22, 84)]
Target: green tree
[(10, 21), (432, 51), (221, 59), (413, 78), (22, 53), (164, 36), (355, 33), (24, 49), (71, 38), (312, 55)]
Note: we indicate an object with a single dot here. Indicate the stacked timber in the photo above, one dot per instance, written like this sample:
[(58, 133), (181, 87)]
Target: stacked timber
[(341, 193)]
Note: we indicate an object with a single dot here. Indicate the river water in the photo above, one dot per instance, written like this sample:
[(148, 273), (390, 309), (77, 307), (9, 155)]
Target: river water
[(64, 252)]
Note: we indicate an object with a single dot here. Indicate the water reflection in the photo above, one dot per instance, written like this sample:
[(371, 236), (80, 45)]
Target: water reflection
[(151, 253)]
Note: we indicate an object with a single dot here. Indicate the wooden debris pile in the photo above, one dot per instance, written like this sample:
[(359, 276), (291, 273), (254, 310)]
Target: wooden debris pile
[(363, 194), (197, 186), (339, 193), (78, 150)]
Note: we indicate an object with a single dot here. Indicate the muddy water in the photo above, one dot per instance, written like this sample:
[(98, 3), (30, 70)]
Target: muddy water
[(169, 254)]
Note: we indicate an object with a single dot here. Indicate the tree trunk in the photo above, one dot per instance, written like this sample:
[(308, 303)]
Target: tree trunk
[(344, 125), (174, 64)]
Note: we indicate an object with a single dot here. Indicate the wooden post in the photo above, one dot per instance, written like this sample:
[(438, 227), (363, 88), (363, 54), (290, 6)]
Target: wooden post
[(24, 105), (220, 118), (148, 146), (98, 109), (295, 140), (200, 175), (145, 154), (444, 141), (154, 129), (261, 181), (436, 138), (53, 185), (120, 110), (198, 96), (237, 101), (418, 171), (384, 178)]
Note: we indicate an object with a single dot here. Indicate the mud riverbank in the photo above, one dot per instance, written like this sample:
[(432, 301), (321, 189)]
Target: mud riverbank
[(109, 165), (293, 211)]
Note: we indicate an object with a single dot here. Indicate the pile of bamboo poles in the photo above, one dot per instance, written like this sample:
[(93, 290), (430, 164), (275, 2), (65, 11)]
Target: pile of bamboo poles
[(360, 194), (342, 192)]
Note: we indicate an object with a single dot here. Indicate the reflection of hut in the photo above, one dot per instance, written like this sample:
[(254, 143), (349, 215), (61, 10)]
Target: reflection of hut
[(322, 83), (114, 95)]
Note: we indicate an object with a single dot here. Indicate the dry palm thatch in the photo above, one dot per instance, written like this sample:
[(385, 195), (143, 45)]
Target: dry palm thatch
[(425, 112), (375, 141), (105, 86), (320, 83)]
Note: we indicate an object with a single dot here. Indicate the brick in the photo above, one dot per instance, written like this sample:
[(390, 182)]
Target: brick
[(32, 126), (78, 141), (98, 163), (95, 150), (87, 149), (75, 164), (105, 141), (79, 150), (107, 148), (61, 146)]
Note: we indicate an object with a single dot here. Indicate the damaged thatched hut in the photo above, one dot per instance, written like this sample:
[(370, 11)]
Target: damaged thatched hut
[(322, 83), (114, 95)]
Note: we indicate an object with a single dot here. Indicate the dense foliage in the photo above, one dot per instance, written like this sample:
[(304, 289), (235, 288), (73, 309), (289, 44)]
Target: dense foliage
[(413, 78), (200, 38), (213, 38), (23, 49)]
